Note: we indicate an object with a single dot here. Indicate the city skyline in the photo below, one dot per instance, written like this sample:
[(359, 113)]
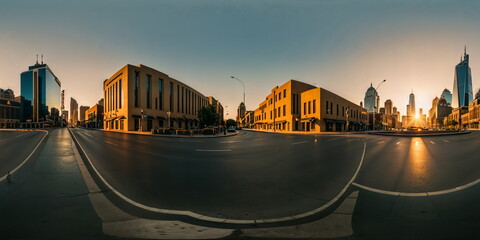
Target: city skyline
[(412, 48)]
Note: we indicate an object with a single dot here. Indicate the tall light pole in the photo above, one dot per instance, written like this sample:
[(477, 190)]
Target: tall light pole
[(375, 100), (243, 89)]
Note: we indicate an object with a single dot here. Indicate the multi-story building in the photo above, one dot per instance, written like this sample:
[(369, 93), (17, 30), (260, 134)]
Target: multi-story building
[(94, 116), (73, 112), (9, 109), (139, 98), (440, 109), (371, 99), (447, 95), (83, 109), (454, 119), (65, 117), (41, 97), (249, 119), (389, 107), (462, 85), (297, 106), (241, 111)]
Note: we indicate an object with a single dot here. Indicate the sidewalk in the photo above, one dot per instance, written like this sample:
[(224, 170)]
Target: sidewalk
[(47, 198), (229, 134), (304, 133)]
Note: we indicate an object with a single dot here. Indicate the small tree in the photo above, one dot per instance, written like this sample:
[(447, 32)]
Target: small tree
[(207, 116), (231, 122)]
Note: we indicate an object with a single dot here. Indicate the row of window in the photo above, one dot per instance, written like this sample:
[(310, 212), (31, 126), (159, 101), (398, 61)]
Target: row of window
[(308, 106), (188, 102), (114, 96), (329, 110), (278, 96)]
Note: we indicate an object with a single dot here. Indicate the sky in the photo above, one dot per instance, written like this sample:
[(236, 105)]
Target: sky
[(342, 45)]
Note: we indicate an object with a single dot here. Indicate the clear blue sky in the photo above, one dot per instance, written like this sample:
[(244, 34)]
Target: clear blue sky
[(339, 45)]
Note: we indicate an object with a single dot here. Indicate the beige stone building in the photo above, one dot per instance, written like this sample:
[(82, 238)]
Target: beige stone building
[(297, 106), (139, 98)]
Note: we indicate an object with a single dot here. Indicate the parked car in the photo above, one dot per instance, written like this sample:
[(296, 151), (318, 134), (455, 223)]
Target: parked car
[(231, 129), (238, 128)]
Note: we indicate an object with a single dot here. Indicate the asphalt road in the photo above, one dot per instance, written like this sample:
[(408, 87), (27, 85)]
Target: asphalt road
[(15, 146), (249, 176), (420, 164)]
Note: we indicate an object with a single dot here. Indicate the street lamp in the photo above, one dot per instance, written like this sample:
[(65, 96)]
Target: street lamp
[(243, 89)]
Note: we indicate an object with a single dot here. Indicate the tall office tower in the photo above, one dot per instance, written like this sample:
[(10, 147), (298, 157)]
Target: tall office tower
[(462, 85), (411, 103), (83, 109), (394, 111), (388, 107), (371, 100), (40, 91), (241, 112), (447, 95), (73, 112), (408, 110)]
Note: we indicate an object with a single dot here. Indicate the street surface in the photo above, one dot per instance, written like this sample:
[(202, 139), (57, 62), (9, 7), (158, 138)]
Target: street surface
[(409, 188), (249, 176), (15, 146)]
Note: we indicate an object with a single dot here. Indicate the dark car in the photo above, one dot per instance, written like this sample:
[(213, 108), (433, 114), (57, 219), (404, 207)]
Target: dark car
[(231, 129), (238, 128)]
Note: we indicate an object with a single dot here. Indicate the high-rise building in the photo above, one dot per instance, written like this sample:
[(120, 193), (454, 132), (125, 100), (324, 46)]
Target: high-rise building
[(371, 100), (462, 85), (411, 104), (73, 112), (9, 109), (40, 91), (83, 109), (447, 95), (388, 107), (241, 110)]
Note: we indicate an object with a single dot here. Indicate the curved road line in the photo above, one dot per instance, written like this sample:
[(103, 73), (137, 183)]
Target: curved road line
[(421, 194), (222, 220), (26, 159)]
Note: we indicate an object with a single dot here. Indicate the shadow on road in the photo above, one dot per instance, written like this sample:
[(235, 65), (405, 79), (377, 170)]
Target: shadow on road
[(449, 216)]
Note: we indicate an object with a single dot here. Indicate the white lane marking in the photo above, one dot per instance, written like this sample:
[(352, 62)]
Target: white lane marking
[(333, 139), (432, 142), (445, 140), (351, 140), (88, 134), (26, 159), (397, 143), (22, 134), (213, 150), (380, 142), (111, 143), (142, 142), (232, 141), (418, 194), (295, 143), (221, 220)]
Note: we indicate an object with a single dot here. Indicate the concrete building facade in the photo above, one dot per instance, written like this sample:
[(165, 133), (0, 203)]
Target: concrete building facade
[(9, 109), (139, 98), (297, 106)]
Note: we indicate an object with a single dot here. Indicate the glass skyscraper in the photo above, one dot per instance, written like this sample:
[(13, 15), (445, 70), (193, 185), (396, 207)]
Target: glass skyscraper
[(371, 100), (447, 95), (40, 94), (462, 85)]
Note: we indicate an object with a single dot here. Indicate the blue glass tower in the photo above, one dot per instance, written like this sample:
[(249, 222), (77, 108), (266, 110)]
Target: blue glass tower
[(40, 94), (462, 85)]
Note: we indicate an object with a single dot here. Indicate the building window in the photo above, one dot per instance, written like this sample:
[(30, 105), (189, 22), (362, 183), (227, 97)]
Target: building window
[(331, 108), (304, 108), (160, 93), (271, 115), (284, 93), (327, 109), (314, 105), (337, 109), (149, 83), (171, 96), (279, 96), (178, 98), (121, 93), (309, 107), (284, 110), (137, 75)]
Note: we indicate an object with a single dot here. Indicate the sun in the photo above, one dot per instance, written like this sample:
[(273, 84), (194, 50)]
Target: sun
[(417, 116)]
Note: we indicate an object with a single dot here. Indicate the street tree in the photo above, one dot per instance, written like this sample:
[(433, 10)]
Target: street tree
[(207, 116), (231, 122)]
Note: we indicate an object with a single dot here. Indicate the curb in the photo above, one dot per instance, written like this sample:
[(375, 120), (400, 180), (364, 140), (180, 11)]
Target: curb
[(227, 222), (308, 134), (420, 135), (171, 136)]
